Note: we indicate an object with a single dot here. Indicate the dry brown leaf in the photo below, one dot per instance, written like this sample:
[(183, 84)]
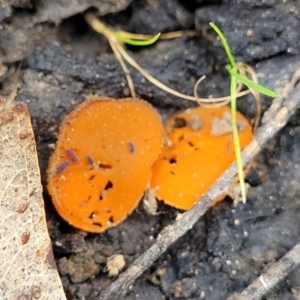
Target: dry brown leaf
[(28, 269)]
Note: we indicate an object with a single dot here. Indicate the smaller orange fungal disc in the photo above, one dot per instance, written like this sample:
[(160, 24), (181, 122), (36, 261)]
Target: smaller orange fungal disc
[(102, 161), (198, 150)]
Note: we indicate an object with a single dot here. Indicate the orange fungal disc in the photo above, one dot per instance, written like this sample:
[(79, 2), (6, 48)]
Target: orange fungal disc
[(102, 161), (198, 150)]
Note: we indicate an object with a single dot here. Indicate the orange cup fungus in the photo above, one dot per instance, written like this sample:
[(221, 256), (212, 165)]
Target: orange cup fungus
[(102, 161), (107, 149), (198, 150)]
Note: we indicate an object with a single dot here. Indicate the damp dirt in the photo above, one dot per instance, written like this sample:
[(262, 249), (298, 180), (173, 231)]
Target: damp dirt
[(63, 61)]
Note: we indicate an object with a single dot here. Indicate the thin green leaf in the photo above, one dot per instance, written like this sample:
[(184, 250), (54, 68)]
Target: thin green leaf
[(137, 42), (224, 43), (251, 84), (235, 131), (236, 140)]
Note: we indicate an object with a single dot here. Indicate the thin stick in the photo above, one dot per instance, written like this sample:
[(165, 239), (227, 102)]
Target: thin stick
[(276, 121), (124, 67), (266, 282)]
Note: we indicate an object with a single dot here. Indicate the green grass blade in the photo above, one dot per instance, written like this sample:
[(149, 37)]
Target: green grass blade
[(137, 42), (224, 43), (236, 140), (251, 84), (235, 131)]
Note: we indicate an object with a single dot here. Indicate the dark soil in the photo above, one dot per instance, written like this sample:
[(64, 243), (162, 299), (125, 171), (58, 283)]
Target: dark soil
[(64, 61)]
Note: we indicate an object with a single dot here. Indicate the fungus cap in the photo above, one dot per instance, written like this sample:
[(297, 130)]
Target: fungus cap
[(198, 150), (102, 161)]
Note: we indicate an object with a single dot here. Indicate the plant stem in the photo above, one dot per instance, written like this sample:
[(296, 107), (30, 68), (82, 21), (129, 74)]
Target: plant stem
[(235, 132)]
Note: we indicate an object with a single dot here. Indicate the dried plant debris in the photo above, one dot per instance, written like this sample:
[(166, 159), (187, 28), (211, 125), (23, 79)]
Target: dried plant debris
[(28, 269), (115, 264), (80, 266), (149, 202)]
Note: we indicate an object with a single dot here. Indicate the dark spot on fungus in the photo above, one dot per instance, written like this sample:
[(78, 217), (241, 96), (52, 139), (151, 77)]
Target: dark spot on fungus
[(92, 215), (90, 160), (109, 185), (172, 160), (190, 143), (131, 147), (111, 219), (72, 155), (83, 203), (180, 138), (92, 177), (105, 166), (179, 123), (97, 224), (63, 166)]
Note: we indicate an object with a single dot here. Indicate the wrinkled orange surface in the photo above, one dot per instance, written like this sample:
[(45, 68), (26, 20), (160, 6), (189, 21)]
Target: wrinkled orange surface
[(113, 144), (193, 158)]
